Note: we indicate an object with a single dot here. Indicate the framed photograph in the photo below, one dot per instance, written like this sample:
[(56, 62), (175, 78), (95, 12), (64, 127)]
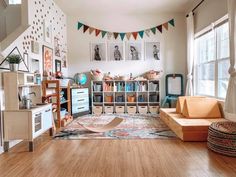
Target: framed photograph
[(116, 51), (98, 52), (26, 59), (35, 65), (57, 65), (47, 59), (134, 51), (47, 32), (152, 50), (34, 47), (57, 51), (64, 59)]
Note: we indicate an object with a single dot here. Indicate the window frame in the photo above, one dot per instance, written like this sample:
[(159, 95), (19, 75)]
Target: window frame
[(213, 27)]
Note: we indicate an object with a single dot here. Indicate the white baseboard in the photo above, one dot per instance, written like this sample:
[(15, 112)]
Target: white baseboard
[(11, 144)]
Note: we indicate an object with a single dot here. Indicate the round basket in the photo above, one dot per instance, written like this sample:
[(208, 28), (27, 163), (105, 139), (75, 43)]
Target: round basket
[(153, 75), (222, 138)]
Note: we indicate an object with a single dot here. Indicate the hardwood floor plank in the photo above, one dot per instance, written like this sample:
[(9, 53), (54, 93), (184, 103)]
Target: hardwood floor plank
[(115, 158)]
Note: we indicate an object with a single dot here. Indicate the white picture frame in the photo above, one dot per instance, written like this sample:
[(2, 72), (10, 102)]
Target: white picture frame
[(134, 51), (116, 51), (98, 51), (152, 51), (47, 32), (35, 47)]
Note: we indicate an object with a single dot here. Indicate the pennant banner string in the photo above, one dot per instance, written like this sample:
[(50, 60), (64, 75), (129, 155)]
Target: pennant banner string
[(128, 35)]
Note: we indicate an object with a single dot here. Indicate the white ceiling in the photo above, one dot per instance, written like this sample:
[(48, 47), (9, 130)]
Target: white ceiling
[(129, 7)]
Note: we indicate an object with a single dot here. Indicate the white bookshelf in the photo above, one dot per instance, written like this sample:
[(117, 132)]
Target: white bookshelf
[(132, 96)]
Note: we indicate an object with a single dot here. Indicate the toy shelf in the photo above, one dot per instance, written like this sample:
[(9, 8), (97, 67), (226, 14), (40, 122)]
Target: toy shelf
[(130, 96)]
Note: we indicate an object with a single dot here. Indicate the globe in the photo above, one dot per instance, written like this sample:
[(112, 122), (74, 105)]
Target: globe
[(80, 78)]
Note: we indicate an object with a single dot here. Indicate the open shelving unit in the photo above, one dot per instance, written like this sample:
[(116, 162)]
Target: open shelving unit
[(130, 96), (59, 96)]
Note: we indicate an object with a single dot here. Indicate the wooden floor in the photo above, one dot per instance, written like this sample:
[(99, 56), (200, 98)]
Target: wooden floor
[(115, 158)]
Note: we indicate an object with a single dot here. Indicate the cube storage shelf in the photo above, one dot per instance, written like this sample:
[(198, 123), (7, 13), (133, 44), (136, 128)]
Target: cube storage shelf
[(130, 96)]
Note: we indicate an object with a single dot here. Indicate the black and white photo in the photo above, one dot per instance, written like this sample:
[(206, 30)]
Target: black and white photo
[(152, 50), (98, 52), (134, 50), (116, 51)]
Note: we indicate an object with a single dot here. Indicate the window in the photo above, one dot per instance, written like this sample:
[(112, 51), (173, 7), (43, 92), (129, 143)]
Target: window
[(212, 61), (14, 1)]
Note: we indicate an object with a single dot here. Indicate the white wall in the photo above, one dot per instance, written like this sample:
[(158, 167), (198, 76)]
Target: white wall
[(208, 12), (173, 43)]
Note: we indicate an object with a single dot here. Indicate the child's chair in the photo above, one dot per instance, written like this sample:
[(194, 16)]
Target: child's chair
[(174, 88)]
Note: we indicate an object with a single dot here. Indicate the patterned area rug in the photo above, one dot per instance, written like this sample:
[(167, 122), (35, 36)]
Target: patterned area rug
[(132, 127)]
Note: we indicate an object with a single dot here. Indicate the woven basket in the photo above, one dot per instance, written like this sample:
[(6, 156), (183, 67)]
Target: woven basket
[(222, 138), (153, 75)]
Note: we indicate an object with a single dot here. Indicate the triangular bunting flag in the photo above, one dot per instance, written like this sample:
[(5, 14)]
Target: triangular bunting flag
[(153, 30), (147, 32), (159, 28), (141, 33), (79, 25), (86, 28), (91, 30), (115, 35), (172, 22), (122, 36), (128, 35), (109, 35), (135, 34), (103, 33), (97, 32), (166, 25)]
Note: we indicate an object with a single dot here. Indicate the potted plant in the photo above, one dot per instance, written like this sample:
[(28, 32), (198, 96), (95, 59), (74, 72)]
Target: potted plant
[(14, 61)]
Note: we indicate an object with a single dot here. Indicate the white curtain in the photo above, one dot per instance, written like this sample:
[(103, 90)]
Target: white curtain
[(230, 102), (190, 54)]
